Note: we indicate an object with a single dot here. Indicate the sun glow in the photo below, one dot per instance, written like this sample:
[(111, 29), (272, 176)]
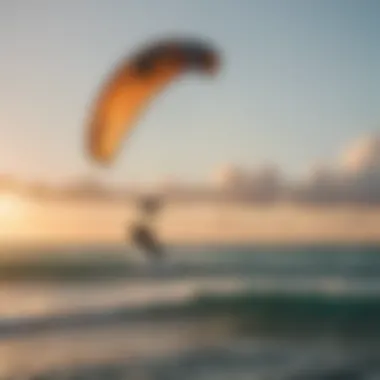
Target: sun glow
[(12, 207), (16, 221)]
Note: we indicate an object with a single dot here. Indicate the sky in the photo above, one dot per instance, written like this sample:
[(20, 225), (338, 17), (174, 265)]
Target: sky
[(299, 79)]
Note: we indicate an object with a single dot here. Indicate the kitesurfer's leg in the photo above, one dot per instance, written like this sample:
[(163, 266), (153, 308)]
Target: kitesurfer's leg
[(143, 238)]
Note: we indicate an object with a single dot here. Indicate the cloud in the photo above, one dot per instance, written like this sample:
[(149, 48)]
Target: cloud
[(362, 155), (353, 178), (229, 176)]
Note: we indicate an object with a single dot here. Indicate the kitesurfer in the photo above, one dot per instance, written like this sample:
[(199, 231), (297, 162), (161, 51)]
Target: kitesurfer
[(141, 231)]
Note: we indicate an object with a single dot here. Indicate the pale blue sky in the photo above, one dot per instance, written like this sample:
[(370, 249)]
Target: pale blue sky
[(300, 79)]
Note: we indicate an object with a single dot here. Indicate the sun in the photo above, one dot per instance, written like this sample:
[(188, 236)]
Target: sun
[(12, 206)]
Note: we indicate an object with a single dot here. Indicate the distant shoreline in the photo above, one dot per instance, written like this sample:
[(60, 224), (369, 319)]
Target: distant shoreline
[(62, 223)]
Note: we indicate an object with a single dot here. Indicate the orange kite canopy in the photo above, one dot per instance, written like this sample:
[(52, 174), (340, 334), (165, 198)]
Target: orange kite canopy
[(135, 83)]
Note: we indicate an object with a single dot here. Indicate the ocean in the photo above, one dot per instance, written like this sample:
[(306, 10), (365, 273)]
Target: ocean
[(209, 312)]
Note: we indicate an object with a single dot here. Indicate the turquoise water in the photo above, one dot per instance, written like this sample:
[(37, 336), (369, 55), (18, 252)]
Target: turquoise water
[(237, 312)]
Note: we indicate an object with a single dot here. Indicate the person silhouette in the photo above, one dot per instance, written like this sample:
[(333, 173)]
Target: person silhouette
[(141, 231)]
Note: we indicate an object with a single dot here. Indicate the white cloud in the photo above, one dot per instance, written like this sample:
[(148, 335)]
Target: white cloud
[(362, 155), (228, 176), (354, 178)]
